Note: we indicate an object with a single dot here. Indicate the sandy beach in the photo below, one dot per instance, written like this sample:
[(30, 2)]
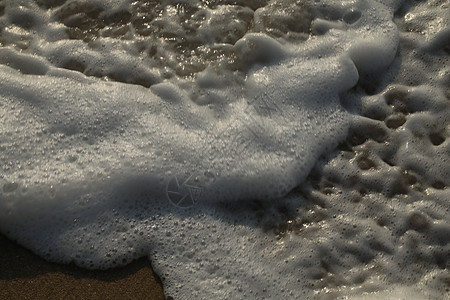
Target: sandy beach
[(24, 275)]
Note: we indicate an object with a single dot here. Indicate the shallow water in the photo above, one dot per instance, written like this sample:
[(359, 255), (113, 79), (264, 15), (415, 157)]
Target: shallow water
[(258, 149)]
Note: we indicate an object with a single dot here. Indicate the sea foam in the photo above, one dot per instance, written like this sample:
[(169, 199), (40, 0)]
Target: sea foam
[(186, 132)]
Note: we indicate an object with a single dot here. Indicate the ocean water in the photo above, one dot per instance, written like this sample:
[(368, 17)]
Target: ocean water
[(250, 149)]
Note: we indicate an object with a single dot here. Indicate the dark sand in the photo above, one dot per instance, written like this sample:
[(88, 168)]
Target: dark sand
[(24, 275)]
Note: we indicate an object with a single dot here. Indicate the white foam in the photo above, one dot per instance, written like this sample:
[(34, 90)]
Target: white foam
[(138, 136)]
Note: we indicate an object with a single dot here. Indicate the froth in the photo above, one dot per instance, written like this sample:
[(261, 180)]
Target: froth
[(154, 128)]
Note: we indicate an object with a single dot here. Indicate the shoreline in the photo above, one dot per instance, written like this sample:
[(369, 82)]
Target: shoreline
[(24, 275)]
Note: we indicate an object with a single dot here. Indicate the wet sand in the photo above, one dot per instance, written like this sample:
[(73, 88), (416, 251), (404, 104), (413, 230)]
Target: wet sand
[(23, 275)]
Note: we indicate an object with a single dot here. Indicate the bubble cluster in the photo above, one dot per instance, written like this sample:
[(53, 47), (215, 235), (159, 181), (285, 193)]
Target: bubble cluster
[(385, 193), (191, 132), (171, 38)]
